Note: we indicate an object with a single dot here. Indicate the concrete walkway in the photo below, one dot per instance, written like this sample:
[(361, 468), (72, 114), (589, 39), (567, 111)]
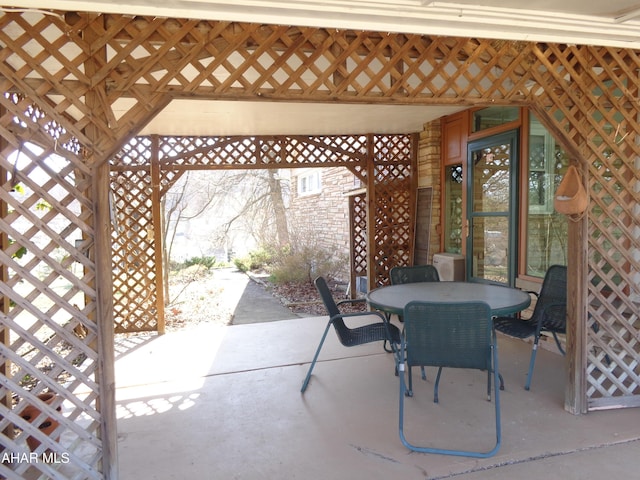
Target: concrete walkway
[(249, 299)]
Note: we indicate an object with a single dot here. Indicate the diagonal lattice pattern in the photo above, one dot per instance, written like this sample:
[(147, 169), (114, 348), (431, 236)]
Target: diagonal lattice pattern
[(81, 86), (133, 247), (48, 287), (136, 304), (606, 102)]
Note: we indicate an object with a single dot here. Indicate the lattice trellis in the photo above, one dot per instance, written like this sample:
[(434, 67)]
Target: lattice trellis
[(134, 248), (393, 207), (82, 85), (48, 286), (600, 112)]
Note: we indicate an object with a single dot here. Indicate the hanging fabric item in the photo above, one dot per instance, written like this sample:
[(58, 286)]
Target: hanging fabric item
[(571, 197)]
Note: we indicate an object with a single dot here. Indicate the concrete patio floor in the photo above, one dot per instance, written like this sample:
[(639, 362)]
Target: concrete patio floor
[(219, 402)]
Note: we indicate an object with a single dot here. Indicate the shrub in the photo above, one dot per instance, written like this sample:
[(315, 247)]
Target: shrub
[(305, 264), (255, 260), (207, 262)]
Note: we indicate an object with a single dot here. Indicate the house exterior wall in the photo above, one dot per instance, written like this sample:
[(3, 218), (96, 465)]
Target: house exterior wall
[(429, 175), (321, 219)]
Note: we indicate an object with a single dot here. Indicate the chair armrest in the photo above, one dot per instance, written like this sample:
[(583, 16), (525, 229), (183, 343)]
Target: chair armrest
[(360, 314), (352, 301)]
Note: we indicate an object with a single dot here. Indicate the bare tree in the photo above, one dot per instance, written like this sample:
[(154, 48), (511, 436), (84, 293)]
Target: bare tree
[(235, 203)]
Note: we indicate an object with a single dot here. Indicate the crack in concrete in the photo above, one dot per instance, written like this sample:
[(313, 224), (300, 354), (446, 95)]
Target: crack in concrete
[(535, 458), (372, 453)]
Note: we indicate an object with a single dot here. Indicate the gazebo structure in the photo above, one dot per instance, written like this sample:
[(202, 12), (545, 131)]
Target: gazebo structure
[(80, 227)]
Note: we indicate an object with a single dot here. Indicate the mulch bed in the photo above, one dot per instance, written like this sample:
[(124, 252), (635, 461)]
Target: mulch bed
[(304, 299)]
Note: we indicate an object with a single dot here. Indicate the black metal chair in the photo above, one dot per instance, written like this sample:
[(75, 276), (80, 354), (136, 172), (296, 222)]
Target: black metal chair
[(452, 335), (350, 337), (549, 315), (415, 274)]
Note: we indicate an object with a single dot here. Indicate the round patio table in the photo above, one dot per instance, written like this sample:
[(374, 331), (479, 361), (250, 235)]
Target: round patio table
[(502, 300)]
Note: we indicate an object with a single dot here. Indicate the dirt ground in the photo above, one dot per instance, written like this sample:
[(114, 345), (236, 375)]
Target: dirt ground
[(198, 295)]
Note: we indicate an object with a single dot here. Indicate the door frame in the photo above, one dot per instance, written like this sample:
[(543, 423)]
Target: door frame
[(512, 137)]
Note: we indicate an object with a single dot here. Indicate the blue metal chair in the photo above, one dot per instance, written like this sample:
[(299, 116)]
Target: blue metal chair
[(350, 337), (549, 315), (453, 335)]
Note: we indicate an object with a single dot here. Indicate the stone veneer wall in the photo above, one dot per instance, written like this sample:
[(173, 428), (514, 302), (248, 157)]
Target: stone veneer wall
[(429, 175), (322, 219)]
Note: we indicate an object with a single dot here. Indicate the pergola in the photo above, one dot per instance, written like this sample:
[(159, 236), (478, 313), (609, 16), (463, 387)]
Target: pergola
[(80, 86)]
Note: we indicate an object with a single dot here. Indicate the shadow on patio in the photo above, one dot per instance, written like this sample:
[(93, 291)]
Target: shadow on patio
[(225, 402)]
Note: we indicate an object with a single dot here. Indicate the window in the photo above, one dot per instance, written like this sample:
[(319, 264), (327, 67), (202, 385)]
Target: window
[(453, 209), (491, 117), (546, 241), (309, 183)]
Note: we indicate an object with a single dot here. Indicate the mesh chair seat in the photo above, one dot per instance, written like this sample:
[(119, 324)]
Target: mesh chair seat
[(549, 315), (522, 329), (376, 332)]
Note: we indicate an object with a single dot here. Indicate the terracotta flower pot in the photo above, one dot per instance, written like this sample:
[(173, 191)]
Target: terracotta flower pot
[(47, 426)]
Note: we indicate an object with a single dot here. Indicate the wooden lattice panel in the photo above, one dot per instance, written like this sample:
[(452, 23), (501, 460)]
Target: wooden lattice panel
[(275, 151), (135, 303), (48, 320), (90, 82), (134, 264), (599, 111), (394, 207)]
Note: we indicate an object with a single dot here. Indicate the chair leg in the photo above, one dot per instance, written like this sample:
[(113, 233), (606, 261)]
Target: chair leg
[(461, 453), (315, 358), (392, 347), (436, 385), (558, 344), (489, 386), (532, 362), (409, 391)]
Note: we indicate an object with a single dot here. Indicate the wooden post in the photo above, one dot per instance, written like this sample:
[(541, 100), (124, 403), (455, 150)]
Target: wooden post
[(5, 367), (371, 215), (577, 291), (157, 232), (105, 374), (413, 195)]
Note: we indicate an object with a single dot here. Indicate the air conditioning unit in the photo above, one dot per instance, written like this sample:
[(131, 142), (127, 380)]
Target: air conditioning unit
[(450, 266)]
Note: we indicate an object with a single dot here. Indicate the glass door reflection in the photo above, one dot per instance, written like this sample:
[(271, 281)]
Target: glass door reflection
[(490, 240)]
